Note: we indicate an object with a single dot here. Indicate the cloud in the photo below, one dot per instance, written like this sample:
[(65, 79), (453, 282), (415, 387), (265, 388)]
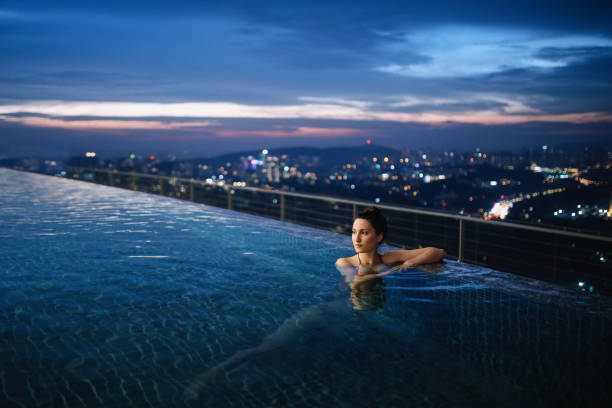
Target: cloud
[(463, 101), (462, 51), (336, 101), (8, 14), (106, 124), (510, 111)]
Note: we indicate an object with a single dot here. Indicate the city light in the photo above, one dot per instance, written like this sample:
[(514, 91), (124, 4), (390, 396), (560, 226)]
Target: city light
[(500, 210)]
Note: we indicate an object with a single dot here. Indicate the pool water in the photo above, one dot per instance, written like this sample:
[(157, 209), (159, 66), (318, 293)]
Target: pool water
[(110, 297)]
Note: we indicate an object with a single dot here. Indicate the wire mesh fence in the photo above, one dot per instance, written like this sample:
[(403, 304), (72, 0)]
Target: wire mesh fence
[(326, 214)]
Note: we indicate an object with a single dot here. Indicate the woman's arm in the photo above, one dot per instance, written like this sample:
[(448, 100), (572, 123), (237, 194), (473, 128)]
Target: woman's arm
[(405, 258)]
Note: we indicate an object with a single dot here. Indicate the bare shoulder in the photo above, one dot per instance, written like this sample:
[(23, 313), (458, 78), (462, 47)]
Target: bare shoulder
[(350, 261)]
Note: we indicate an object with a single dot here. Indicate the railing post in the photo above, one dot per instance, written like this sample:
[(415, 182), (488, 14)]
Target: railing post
[(354, 211), (282, 207), (229, 198), (133, 185), (460, 249), (191, 190), (111, 182), (555, 254)]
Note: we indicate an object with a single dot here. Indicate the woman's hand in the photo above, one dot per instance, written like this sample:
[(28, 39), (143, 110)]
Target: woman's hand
[(364, 276), (401, 267)]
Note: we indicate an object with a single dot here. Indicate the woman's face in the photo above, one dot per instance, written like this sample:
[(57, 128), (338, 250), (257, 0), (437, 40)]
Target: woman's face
[(364, 236)]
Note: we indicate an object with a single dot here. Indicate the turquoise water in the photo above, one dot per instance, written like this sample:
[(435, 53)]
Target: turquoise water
[(116, 298)]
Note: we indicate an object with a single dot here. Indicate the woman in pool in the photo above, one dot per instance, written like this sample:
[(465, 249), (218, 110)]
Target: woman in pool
[(369, 230), (367, 292)]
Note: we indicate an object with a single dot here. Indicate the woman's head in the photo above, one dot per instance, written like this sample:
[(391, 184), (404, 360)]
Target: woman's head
[(376, 219), (369, 229)]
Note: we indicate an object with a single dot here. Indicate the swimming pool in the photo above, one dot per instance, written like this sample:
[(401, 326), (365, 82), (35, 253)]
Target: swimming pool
[(116, 298)]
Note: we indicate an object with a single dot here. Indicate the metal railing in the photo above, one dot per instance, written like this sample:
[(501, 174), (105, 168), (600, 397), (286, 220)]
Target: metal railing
[(550, 254)]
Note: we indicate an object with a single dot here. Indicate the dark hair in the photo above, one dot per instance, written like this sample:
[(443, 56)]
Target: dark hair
[(378, 221)]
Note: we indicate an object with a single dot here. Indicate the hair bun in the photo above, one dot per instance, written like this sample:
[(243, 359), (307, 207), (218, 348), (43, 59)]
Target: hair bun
[(372, 211)]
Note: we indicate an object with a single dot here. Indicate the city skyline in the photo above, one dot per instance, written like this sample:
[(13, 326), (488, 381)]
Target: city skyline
[(545, 186), (212, 79)]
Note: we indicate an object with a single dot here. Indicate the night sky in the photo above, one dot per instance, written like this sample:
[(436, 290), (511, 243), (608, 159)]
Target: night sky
[(202, 79)]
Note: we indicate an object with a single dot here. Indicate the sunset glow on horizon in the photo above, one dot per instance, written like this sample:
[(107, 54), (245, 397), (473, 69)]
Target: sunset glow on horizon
[(61, 114)]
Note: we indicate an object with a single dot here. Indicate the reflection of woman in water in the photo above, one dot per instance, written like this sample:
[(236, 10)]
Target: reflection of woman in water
[(362, 272)]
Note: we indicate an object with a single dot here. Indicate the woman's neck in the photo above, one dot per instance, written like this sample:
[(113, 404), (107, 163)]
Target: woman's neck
[(367, 259)]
